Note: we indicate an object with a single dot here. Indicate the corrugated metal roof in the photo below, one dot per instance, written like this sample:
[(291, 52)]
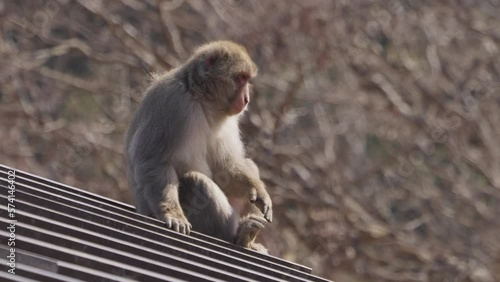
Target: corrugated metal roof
[(67, 234)]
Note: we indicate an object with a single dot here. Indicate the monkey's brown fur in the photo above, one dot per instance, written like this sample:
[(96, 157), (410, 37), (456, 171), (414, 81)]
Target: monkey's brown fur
[(185, 159)]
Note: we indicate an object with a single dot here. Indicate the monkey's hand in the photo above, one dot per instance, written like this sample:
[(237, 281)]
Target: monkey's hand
[(260, 198), (181, 225), (247, 231), (175, 219)]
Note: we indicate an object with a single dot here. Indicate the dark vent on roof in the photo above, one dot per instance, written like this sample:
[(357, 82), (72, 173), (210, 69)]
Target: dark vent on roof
[(66, 234)]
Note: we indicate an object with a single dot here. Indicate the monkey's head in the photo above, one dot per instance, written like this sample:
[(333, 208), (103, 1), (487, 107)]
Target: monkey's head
[(221, 72)]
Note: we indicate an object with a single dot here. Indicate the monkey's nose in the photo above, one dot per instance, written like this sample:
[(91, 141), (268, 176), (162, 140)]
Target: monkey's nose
[(246, 99)]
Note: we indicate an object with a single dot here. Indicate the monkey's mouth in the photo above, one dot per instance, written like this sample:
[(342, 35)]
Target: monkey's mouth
[(240, 103)]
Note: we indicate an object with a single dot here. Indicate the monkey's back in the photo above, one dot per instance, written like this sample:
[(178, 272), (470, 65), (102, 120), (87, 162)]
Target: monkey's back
[(158, 125)]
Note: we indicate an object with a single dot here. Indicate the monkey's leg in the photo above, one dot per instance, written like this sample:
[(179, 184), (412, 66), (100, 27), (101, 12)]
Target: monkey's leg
[(248, 230), (141, 205), (207, 207)]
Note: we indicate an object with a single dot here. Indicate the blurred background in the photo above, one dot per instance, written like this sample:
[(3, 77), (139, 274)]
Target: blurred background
[(376, 124)]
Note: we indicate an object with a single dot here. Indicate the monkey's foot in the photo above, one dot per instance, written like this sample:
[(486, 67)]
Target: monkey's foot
[(258, 248), (178, 224), (247, 231)]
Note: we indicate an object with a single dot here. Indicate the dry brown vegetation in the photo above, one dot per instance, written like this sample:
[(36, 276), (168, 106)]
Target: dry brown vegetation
[(376, 124)]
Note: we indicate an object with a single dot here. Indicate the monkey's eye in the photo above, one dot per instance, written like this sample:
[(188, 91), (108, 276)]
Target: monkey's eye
[(243, 78)]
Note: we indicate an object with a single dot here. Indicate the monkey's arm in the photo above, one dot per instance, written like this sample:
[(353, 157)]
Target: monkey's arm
[(159, 188), (152, 138), (242, 179), (170, 207)]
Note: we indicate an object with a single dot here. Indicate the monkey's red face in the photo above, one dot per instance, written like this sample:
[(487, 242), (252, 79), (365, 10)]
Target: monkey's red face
[(242, 97), (223, 76)]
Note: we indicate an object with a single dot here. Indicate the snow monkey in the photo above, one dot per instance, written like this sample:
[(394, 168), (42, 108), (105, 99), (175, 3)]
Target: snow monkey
[(185, 159)]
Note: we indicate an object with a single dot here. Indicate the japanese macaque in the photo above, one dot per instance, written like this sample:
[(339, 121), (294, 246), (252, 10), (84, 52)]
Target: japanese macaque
[(185, 159)]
